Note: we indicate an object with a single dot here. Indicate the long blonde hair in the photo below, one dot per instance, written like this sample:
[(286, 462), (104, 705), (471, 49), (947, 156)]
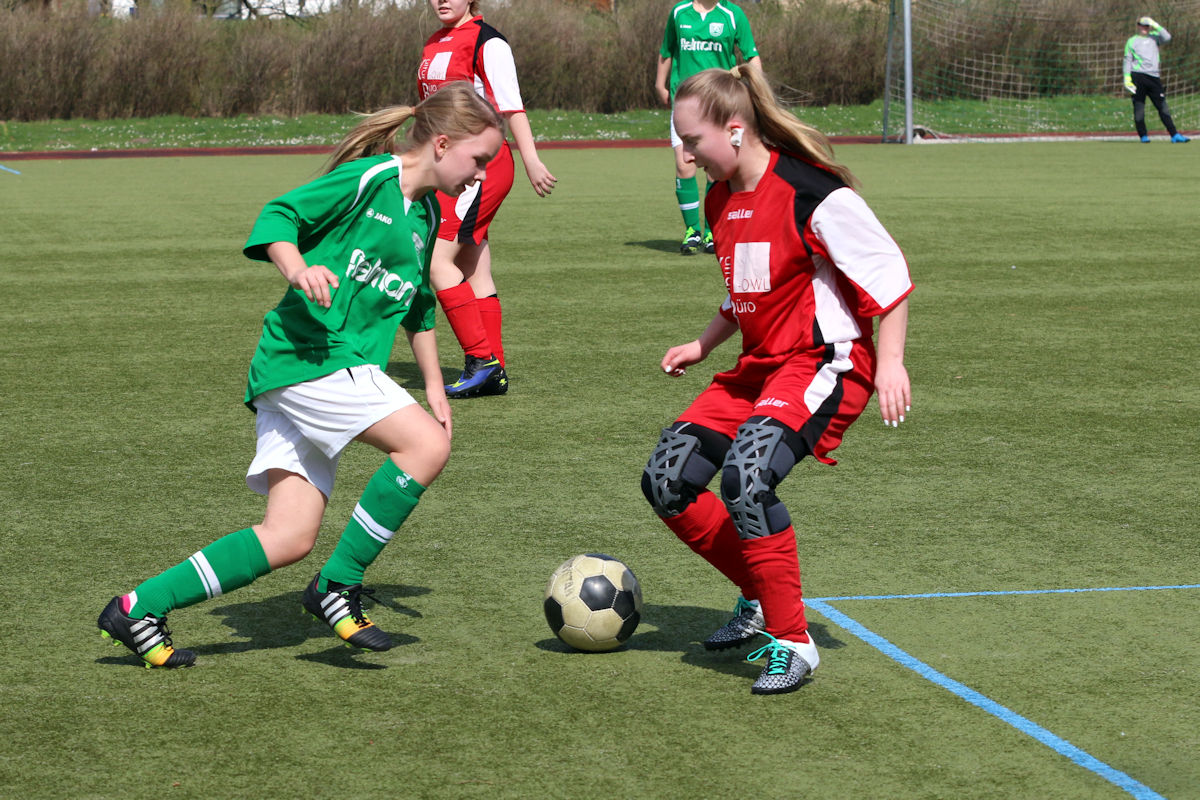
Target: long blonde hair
[(744, 92), (454, 110)]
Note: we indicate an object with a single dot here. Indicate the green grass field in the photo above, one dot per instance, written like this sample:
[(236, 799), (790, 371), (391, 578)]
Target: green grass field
[(1069, 114), (1052, 445)]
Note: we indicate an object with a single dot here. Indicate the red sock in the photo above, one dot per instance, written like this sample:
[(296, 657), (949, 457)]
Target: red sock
[(775, 567), (489, 311), (462, 312), (705, 527)]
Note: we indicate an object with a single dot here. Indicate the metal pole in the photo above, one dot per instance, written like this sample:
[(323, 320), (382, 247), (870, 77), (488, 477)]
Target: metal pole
[(908, 73), (887, 67)]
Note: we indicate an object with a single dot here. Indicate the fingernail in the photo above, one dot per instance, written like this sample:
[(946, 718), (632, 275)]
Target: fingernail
[(902, 418)]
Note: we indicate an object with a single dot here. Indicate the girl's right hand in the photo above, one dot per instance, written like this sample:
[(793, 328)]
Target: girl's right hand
[(680, 357), (315, 282)]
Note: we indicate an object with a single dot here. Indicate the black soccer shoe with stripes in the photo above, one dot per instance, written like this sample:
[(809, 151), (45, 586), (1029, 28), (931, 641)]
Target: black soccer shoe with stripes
[(340, 607), (746, 623), (148, 638)]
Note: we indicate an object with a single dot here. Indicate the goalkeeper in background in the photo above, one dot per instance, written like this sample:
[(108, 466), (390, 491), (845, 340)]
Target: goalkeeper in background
[(1142, 79)]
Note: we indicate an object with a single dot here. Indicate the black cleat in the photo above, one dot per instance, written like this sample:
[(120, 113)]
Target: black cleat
[(340, 607), (148, 637), (788, 664), (746, 623)]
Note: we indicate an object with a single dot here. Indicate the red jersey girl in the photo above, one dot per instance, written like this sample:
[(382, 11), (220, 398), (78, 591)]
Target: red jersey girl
[(469, 49), (807, 267)]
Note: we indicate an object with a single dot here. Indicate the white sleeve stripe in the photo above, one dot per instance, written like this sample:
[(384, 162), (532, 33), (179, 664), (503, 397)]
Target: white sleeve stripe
[(501, 72), (395, 164), (860, 247), (728, 13)]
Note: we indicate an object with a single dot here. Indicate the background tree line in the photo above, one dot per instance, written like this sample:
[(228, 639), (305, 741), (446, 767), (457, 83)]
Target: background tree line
[(64, 60)]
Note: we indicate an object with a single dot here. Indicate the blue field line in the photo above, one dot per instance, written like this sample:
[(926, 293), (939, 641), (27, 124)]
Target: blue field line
[(996, 593), (1029, 728), (9, 169)]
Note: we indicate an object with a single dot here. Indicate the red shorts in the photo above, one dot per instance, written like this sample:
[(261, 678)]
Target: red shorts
[(466, 218), (818, 394)]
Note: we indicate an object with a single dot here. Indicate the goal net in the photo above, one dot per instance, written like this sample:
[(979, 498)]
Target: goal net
[(1027, 68)]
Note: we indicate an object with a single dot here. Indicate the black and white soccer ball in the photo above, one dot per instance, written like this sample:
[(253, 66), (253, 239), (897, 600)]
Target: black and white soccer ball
[(593, 602)]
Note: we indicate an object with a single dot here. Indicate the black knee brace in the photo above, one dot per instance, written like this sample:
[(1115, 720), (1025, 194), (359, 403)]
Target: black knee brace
[(682, 464), (764, 451)]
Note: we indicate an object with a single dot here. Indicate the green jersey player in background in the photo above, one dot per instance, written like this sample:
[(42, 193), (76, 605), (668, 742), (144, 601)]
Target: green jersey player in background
[(700, 34), (354, 246)]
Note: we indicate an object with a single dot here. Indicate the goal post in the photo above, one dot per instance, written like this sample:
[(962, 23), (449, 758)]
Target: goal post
[(982, 69)]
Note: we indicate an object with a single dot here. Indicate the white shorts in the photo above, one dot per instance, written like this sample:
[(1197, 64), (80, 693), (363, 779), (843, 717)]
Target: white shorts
[(675, 140), (304, 428)]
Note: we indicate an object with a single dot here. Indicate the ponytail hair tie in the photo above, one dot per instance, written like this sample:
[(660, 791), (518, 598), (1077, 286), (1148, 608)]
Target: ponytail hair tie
[(736, 71)]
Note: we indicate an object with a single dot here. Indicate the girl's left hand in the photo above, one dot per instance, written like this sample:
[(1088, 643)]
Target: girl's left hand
[(895, 392), (540, 178)]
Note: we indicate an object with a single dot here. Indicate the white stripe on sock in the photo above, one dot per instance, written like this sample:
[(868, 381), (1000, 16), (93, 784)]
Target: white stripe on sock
[(373, 528), (208, 577)]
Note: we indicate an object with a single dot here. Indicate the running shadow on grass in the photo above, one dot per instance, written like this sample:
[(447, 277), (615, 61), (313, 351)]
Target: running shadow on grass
[(408, 375), (658, 245), (682, 629)]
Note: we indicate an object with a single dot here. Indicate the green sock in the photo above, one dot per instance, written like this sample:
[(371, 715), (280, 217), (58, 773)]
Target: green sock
[(688, 195), (389, 498), (229, 563)]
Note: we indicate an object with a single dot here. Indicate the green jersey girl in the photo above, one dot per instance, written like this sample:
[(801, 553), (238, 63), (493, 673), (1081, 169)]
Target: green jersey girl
[(354, 246)]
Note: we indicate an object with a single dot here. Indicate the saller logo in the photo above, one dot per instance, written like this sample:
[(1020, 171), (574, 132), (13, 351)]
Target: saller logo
[(741, 213)]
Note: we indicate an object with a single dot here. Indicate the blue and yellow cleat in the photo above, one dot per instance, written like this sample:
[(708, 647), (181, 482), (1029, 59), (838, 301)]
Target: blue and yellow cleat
[(480, 377), (1179, 138)]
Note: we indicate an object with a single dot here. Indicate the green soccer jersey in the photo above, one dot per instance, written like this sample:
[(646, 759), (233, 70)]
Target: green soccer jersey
[(695, 42), (356, 222)]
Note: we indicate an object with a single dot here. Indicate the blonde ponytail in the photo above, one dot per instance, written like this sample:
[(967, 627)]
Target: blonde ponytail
[(744, 92), (454, 110)]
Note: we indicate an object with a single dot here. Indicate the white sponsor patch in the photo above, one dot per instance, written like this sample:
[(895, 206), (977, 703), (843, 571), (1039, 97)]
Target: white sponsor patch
[(438, 66), (751, 267)]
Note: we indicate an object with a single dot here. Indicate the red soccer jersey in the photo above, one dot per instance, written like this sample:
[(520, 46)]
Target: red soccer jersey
[(805, 261), (474, 52)]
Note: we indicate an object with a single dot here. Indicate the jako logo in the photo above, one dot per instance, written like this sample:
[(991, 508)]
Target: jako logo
[(384, 218)]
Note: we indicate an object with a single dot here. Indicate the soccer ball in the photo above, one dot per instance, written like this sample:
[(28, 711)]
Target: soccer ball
[(593, 602)]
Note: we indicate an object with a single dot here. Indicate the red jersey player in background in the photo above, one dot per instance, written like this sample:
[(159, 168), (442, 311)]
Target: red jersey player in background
[(807, 266), (468, 49)]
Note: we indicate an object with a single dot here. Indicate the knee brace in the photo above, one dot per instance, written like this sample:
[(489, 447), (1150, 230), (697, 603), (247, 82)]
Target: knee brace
[(764, 451), (682, 464)]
